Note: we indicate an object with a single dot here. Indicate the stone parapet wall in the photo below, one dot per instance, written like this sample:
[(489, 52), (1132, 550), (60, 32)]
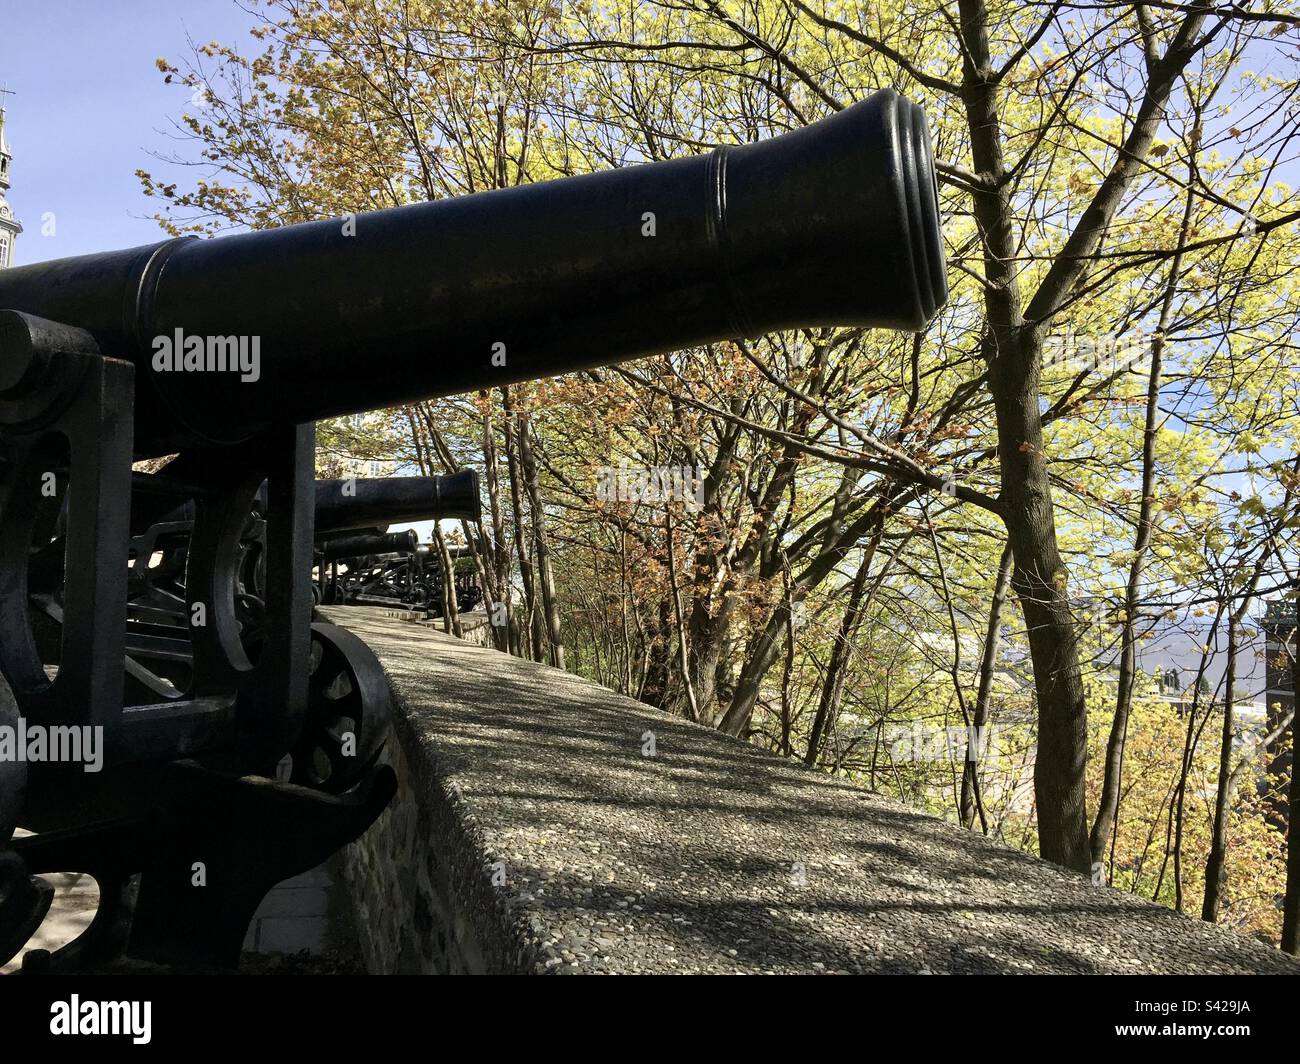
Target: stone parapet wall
[(402, 893), (545, 824)]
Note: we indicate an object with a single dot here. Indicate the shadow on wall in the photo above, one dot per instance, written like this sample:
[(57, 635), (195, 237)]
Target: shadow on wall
[(543, 836)]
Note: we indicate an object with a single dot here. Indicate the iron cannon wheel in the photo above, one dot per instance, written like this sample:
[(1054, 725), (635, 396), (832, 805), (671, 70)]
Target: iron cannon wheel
[(348, 697)]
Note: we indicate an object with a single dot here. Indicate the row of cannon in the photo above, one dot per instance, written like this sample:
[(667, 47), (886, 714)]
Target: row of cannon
[(170, 613)]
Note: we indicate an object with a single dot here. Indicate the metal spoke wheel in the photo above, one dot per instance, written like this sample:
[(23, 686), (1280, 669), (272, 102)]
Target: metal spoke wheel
[(348, 711)]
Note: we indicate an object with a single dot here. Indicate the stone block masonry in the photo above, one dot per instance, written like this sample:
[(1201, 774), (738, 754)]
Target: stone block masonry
[(533, 833)]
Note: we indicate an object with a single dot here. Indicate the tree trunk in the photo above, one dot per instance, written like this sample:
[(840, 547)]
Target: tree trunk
[(828, 707), (438, 446), (1291, 900), (450, 614), (541, 543), (787, 679), (766, 645), (683, 642), (1013, 351), (1216, 872), (1108, 804), (970, 796), (713, 615), (1039, 581), (500, 557), (537, 642), (654, 688), (1013, 354), (1178, 811)]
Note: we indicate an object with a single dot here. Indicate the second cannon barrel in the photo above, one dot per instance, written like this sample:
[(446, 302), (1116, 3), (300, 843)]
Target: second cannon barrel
[(376, 502)]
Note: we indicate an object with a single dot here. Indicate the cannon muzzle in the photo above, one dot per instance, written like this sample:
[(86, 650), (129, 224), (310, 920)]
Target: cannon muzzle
[(834, 224)]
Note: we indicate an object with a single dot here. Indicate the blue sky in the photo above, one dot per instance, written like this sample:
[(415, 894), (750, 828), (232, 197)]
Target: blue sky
[(89, 106)]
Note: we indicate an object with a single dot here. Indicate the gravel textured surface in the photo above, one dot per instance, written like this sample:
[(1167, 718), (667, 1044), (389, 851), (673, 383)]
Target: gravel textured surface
[(713, 856)]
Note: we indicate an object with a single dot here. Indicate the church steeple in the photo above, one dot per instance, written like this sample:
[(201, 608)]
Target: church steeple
[(10, 227)]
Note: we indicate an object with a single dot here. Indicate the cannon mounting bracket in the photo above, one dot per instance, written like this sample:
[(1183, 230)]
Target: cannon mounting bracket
[(205, 855), (186, 754), (66, 514), (66, 420)]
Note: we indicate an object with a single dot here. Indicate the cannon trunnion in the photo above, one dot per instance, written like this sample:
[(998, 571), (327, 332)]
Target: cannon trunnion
[(166, 618)]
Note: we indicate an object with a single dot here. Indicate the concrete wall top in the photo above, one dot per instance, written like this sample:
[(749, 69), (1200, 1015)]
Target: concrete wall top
[(569, 849)]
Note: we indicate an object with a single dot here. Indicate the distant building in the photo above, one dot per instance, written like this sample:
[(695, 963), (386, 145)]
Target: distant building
[(1279, 625), (10, 227), (1174, 654), (345, 465), (1280, 646)]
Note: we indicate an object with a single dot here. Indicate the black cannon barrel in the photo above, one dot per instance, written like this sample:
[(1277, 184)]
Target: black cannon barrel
[(355, 503), (360, 544), (833, 224), (370, 502)]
